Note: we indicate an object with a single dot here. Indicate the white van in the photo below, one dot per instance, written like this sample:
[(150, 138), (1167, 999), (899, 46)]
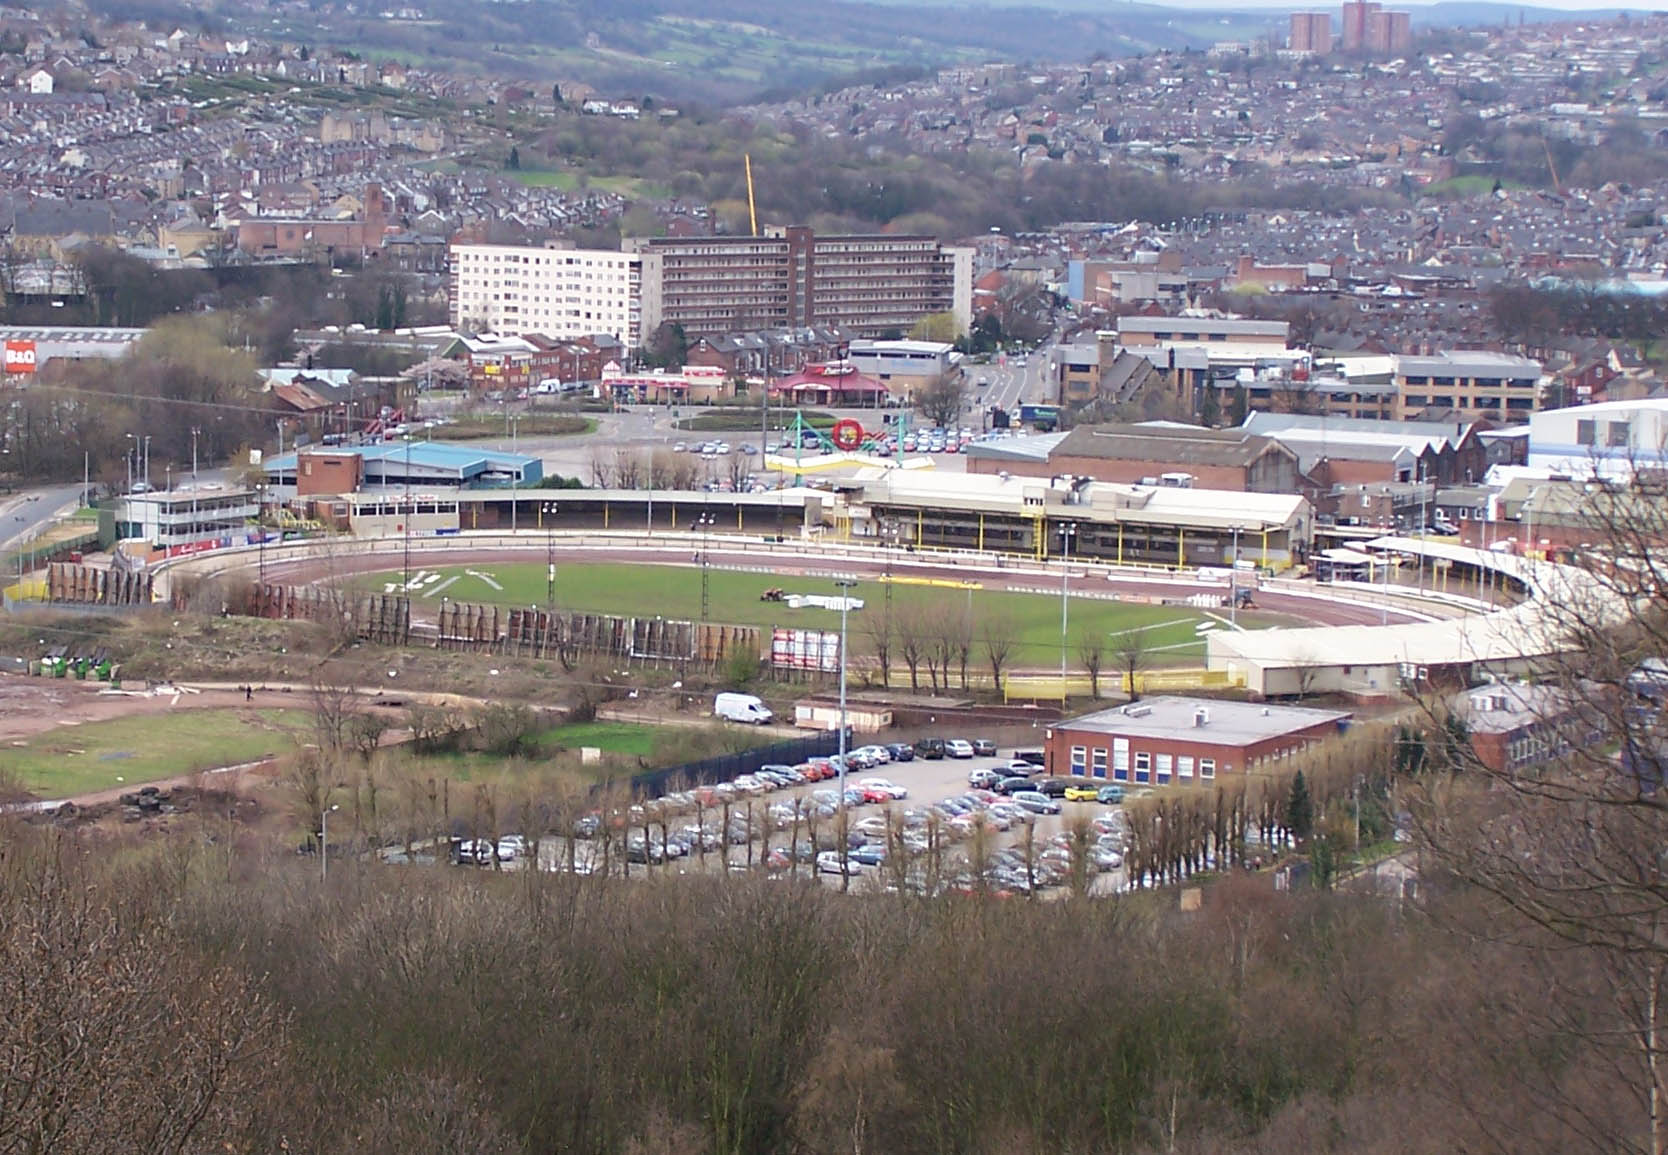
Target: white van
[(548, 386), (741, 708)]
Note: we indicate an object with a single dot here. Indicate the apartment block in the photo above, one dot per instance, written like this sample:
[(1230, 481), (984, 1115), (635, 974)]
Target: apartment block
[(792, 278), (559, 292), (1468, 384), (1311, 33)]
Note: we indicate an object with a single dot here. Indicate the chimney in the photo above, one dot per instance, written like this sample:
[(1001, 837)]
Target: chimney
[(1201, 716)]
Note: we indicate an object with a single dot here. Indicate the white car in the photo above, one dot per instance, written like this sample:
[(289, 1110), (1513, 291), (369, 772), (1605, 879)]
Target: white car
[(885, 785), (880, 754), (828, 862), (958, 748)]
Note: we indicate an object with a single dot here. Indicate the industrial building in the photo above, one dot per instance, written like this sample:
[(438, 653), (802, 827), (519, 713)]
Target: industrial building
[(396, 465), (1059, 517), (1169, 741), (904, 366), (1157, 454), (1469, 384), (1613, 439)]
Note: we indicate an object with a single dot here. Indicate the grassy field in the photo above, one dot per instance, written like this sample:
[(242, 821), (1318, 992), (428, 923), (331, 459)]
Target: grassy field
[(609, 737), (567, 180), (130, 751), (675, 592)]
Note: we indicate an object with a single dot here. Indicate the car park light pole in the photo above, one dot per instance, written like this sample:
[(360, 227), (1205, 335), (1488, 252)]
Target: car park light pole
[(324, 841), (1067, 532), (845, 585), (704, 522), (548, 512)]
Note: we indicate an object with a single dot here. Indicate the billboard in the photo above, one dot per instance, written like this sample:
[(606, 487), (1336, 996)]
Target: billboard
[(20, 357), (805, 650)]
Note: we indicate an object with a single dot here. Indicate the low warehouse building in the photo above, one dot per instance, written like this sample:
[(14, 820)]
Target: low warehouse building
[(1184, 741)]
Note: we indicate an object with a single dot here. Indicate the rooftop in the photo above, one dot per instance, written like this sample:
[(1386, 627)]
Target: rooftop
[(1187, 446), (1225, 722)]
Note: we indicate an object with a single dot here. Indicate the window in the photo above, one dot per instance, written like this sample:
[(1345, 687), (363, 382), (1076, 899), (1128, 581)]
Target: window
[(1079, 757), (1143, 767), (1586, 432), (1163, 769), (1120, 759), (1207, 767), (1184, 766), (1099, 764), (1616, 434)]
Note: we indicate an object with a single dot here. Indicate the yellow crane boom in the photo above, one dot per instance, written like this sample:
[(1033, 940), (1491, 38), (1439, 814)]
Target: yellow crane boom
[(752, 206)]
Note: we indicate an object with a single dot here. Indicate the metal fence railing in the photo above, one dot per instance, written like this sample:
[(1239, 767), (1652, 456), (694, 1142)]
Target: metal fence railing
[(723, 767)]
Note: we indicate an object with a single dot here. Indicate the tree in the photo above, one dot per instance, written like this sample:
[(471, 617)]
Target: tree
[(935, 327), (1210, 410), (1132, 650), (997, 637), (1240, 408), (1300, 809), (514, 163), (1091, 651), (942, 398), (876, 629), (556, 95)]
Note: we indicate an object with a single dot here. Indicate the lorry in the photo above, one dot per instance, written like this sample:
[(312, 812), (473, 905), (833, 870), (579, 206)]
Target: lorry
[(742, 708)]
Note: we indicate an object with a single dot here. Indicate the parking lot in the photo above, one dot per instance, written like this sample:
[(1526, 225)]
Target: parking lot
[(911, 825)]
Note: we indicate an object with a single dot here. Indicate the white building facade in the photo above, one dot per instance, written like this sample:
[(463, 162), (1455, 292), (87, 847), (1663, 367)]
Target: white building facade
[(558, 292), (1612, 439)]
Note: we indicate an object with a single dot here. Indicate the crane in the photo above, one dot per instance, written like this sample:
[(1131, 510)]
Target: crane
[(1557, 185), (752, 206)]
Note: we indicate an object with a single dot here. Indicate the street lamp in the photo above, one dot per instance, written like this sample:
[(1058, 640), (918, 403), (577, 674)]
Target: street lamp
[(147, 462), (548, 512), (1067, 532), (324, 840), (705, 522), (128, 458), (407, 519), (845, 585)]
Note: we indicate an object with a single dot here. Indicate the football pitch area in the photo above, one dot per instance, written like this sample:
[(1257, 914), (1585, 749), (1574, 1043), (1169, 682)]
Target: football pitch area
[(1169, 634)]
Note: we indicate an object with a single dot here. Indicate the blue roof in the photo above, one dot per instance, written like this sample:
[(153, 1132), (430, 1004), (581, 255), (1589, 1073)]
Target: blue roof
[(431, 454)]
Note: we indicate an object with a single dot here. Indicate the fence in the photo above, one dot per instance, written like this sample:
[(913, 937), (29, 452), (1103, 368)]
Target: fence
[(723, 767), (71, 584)]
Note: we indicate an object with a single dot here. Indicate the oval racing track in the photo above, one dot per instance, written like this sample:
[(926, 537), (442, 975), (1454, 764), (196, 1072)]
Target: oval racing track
[(1311, 603)]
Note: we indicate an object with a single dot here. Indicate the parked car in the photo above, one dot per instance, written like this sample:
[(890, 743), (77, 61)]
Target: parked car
[(1109, 795), (889, 787), (1082, 791), (1036, 802), (1053, 787), (901, 751), (829, 862), (1034, 757), (984, 778), (869, 854), (958, 748), (984, 747), (1010, 786), (930, 748)]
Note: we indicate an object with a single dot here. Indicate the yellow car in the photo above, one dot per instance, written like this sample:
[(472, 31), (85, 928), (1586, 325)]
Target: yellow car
[(1082, 791)]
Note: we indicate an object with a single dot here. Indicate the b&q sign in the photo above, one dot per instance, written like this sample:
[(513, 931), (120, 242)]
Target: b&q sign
[(20, 357)]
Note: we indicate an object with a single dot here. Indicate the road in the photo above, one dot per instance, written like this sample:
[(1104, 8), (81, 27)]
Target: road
[(27, 514)]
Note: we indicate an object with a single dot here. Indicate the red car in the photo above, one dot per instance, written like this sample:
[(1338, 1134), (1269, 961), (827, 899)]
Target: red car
[(874, 794)]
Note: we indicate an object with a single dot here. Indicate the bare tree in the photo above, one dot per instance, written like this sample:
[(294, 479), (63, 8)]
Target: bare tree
[(1091, 651), (997, 638), (1132, 649), (912, 647), (941, 399), (877, 631)]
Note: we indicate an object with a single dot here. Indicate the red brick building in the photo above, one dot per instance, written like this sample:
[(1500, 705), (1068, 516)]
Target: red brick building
[(1183, 741)]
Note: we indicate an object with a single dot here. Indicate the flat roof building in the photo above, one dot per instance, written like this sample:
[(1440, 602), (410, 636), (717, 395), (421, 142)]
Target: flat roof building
[(1613, 439), (188, 519), (398, 465), (1176, 455), (560, 292), (1101, 521), (792, 278), (1169, 741), (1469, 384)]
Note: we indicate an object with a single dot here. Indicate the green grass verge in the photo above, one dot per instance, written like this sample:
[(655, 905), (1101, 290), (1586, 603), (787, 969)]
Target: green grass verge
[(125, 752), (609, 737), (674, 592)]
